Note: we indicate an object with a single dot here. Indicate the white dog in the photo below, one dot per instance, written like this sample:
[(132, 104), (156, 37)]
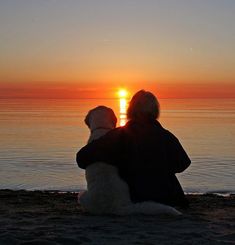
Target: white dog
[(106, 192)]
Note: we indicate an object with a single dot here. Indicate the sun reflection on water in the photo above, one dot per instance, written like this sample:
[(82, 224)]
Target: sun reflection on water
[(122, 111)]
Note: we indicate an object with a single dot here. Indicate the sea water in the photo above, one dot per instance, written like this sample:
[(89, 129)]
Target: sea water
[(40, 138)]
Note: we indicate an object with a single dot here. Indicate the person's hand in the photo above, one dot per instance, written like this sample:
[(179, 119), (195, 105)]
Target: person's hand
[(79, 196)]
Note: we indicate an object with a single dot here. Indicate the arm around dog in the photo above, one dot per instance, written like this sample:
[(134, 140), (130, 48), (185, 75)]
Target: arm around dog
[(105, 149)]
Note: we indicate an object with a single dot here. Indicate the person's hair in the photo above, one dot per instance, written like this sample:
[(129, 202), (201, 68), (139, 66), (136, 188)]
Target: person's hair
[(143, 106)]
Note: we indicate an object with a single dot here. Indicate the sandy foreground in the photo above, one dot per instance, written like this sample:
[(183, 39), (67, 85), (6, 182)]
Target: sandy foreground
[(36, 217)]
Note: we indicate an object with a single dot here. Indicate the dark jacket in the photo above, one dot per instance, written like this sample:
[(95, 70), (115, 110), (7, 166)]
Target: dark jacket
[(147, 156)]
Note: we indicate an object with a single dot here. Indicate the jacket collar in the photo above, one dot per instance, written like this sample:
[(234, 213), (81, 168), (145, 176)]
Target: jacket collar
[(133, 122)]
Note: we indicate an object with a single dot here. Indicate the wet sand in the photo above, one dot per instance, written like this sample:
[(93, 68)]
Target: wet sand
[(36, 217)]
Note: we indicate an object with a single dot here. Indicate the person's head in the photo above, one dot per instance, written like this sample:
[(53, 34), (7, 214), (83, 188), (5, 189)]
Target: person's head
[(143, 106)]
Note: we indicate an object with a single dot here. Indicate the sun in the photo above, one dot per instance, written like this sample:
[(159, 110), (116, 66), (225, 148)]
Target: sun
[(122, 93)]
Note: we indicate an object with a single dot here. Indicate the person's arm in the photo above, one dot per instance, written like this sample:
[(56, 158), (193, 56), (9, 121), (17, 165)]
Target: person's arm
[(178, 158), (104, 149)]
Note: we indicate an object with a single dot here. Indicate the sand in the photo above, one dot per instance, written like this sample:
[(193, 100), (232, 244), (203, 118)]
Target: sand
[(36, 217)]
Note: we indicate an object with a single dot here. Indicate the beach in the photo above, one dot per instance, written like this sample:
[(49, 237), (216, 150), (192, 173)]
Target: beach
[(43, 217)]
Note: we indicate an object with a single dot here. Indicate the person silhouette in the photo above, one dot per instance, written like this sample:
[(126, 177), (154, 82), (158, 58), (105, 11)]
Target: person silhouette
[(147, 155)]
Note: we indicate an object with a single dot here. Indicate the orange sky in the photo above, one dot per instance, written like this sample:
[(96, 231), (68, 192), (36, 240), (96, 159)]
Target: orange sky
[(74, 91), (78, 49)]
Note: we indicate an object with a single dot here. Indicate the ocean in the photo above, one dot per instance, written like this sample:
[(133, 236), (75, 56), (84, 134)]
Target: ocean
[(40, 138)]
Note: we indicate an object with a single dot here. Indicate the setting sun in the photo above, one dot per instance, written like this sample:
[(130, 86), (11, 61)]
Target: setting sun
[(122, 93)]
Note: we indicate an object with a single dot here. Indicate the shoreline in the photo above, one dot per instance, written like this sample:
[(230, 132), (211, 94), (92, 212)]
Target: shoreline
[(188, 193), (54, 217)]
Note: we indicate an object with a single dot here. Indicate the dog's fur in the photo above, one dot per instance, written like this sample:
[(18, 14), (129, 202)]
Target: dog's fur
[(106, 192)]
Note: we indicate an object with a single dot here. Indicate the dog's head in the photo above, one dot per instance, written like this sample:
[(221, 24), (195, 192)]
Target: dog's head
[(101, 117)]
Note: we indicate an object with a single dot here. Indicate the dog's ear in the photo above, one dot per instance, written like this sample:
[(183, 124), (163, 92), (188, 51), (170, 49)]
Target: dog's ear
[(113, 118), (87, 119)]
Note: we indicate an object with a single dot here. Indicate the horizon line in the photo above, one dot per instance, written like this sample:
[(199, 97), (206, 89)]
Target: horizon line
[(107, 98)]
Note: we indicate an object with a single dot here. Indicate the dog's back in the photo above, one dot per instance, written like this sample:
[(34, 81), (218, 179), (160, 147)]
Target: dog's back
[(106, 191)]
